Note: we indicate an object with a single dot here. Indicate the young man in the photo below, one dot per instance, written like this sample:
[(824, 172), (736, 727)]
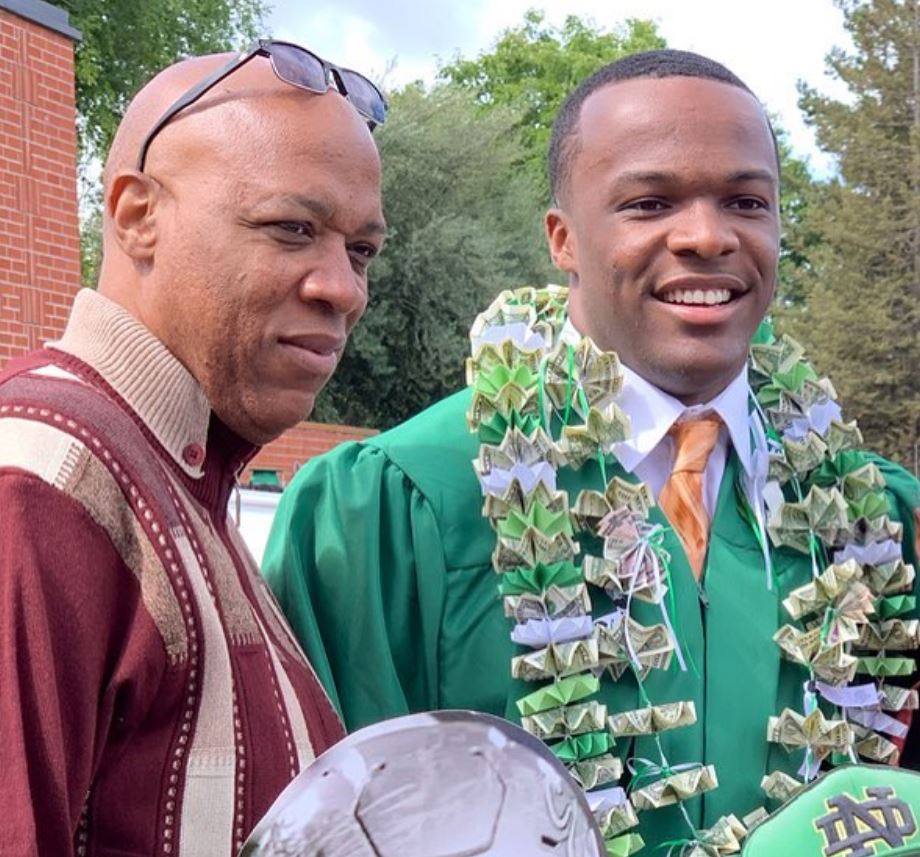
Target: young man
[(666, 179), (153, 700)]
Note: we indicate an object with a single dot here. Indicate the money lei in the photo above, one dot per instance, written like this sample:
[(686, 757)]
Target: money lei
[(525, 380)]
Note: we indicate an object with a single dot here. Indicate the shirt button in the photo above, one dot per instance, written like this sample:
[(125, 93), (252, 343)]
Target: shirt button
[(193, 454)]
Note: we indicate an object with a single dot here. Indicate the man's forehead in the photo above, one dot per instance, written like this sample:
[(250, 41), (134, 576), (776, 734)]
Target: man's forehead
[(663, 93), (646, 118), (156, 97)]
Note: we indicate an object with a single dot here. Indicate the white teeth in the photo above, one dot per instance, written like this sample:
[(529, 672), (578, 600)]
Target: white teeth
[(698, 297)]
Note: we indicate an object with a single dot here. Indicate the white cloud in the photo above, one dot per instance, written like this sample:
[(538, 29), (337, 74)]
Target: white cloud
[(770, 45)]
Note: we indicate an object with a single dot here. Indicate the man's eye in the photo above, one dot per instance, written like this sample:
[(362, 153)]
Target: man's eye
[(369, 251), (650, 206), (748, 203), (362, 254), (294, 228), (365, 252)]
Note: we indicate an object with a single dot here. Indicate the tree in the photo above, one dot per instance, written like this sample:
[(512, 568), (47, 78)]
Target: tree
[(861, 317), (534, 66), (798, 241), (125, 42), (464, 223)]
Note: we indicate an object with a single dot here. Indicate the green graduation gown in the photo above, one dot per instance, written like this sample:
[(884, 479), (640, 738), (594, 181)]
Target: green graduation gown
[(380, 557)]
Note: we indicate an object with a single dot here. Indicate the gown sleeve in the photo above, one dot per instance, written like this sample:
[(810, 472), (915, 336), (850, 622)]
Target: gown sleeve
[(904, 502), (356, 561)]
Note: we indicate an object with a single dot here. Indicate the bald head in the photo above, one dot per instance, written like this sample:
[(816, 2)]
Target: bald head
[(244, 244), (238, 98)]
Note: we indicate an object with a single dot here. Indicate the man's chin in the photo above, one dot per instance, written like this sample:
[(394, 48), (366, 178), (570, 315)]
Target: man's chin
[(694, 379), (264, 422)]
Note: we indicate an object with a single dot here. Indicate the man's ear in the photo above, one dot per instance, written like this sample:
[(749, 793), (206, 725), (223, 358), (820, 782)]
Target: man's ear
[(561, 240), (131, 205)]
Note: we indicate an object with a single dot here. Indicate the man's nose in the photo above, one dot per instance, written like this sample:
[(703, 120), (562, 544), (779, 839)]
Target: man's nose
[(703, 230), (332, 280)]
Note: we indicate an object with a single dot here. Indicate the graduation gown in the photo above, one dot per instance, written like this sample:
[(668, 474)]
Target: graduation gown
[(381, 560)]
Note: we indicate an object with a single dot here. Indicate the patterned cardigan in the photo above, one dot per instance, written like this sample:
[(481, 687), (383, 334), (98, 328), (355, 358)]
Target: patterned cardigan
[(152, 698)]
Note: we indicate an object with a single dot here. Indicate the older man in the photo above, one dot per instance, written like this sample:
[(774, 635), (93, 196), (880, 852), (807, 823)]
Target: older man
[(153, 701), (666, 179)]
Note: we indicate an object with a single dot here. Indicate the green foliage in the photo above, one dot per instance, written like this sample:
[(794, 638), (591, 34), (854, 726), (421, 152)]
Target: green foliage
[(125, 42), (534, 66), (798, 241), (464, 223), (464, 184), (91, 246), (861, 315)]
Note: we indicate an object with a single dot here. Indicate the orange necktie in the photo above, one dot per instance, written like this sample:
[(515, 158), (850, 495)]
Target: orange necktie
[(681, 499)]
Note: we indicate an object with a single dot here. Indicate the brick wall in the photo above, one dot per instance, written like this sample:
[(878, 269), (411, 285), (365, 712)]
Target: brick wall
[(39, 229), (301, 443)]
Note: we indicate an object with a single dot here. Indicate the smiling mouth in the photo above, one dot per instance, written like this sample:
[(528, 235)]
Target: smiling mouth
[(698, 297)]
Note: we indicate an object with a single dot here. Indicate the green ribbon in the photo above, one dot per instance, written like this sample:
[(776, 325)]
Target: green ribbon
[(538, 579), (785, 382), (624, 846), (871, 506), (829, 615), (492, 383), (832, 470), (677, 846), (645, 769), (885, 667), (541, 395), (494, 430), (895, 605), (569, 690), (577, 748), (765, 334), (747, 514), (537, 517), (569, 383)]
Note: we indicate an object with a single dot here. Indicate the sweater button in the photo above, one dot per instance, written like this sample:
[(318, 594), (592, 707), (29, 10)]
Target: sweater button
[(193, 454)]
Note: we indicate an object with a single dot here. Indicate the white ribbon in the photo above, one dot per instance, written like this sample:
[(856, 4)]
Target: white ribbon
[(606, 799), (538, 633), (518, 332), (852, 696), (878, 721), (755, 486), (645, 548), (874, 553), (818, 419), (497, 480)]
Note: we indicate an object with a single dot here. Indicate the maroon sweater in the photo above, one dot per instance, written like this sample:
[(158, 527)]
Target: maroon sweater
[(152, 699)]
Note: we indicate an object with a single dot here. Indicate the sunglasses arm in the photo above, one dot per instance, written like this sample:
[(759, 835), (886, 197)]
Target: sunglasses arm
[(192, 96)]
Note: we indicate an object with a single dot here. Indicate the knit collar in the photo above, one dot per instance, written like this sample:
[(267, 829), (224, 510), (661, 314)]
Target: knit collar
[(152, 381)]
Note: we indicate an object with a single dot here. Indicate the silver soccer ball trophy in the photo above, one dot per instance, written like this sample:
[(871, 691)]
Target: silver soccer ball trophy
[(443, 784)]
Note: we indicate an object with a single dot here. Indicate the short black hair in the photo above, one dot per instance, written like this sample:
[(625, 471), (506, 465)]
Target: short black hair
[(563, 144)]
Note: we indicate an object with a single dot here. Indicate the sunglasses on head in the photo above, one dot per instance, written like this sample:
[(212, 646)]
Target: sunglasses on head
[(294, 65)]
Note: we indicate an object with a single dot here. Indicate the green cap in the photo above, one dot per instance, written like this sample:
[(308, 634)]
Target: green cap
[(853, 811)]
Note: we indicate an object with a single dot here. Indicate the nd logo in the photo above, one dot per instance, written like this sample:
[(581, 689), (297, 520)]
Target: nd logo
[(852, 828)]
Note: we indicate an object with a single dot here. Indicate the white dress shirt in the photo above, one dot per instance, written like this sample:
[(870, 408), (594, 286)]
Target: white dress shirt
[(649, 451)]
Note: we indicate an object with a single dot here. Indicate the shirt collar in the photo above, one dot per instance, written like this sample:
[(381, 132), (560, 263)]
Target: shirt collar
[(652, 412), (144, 372)]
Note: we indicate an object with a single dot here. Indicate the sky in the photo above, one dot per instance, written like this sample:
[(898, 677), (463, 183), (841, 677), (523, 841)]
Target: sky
[(770, 44)]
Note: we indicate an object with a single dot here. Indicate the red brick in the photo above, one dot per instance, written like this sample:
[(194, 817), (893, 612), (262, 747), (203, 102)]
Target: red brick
[(39, 224), (301, 443)]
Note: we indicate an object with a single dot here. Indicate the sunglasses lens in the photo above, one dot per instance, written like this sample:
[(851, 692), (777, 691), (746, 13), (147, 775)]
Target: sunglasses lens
[(365, 97), (297, 66)]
